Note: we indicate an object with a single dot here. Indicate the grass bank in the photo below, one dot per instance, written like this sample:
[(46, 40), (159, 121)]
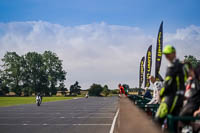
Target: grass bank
[(11, 101)]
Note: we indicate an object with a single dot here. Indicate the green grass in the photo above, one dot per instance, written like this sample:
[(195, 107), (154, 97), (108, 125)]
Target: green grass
[(11, 101)]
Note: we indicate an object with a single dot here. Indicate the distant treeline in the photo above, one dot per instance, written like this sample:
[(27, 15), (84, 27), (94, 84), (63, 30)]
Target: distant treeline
[(31, 73), (99, 90)]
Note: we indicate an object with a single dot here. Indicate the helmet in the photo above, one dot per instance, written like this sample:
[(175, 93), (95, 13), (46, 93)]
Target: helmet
[(169, 49)]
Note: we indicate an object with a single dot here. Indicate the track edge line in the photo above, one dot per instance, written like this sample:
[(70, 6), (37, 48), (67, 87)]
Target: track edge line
[(114, 121)]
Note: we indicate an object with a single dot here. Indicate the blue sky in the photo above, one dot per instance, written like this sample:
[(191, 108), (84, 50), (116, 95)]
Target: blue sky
[(146, 14), (99, 41)]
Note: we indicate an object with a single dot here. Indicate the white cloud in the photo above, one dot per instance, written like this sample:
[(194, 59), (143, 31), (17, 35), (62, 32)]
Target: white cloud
[(94, 53), (186, 40)]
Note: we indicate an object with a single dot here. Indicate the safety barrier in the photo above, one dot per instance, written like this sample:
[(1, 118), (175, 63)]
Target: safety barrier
[(172, 121)]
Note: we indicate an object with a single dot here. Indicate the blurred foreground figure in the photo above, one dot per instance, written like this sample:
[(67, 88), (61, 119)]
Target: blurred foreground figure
[(172, 93), (192, 94)]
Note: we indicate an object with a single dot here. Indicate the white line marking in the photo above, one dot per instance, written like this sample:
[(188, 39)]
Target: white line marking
[(91, 124), (114, 121), (50, 109), (91, 117), (45, 124), (57, 117), (58, 113)]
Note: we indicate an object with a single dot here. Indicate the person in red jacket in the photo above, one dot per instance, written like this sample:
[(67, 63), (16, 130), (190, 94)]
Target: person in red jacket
[(121, 90)]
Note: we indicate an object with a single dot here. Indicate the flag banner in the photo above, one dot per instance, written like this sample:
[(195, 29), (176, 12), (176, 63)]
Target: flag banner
[(141, 72), (159, 48), (148, 65)]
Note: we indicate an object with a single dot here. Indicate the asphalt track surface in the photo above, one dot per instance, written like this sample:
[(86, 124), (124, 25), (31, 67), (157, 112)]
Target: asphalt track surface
[(92, 115)]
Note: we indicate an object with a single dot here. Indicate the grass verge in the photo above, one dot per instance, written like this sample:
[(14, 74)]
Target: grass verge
[(11, 101)]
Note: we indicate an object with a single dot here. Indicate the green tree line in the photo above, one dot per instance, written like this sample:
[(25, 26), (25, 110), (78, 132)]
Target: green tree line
[(31, 73), (192, 60), (98, 90)]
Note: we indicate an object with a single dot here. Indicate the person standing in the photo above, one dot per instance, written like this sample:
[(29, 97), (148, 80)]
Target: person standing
[(157, 85), (126, 88), (192, 93), (147, 93), (121, 90), (172, 93)]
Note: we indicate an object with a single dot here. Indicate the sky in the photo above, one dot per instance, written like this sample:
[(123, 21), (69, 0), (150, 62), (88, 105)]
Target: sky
[(99, 41)]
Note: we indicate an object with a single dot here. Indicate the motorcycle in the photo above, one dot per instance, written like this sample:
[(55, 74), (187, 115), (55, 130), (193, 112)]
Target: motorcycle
[(86, 96), (38, 100)]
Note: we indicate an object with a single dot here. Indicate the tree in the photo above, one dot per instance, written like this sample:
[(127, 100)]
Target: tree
[(95, 90), (12, 72), (34, 75), (115, 91), (3, 87), (62, 88), (27, 87), (75, 88), (191, 59), (32, 72), (54, 70), (105, 90)]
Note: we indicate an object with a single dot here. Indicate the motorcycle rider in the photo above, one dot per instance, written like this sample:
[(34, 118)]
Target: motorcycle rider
[(39, 96), (87, 95), (172, 93)]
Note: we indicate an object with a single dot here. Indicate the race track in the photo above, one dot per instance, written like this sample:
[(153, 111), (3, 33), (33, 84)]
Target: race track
[(92, 115)]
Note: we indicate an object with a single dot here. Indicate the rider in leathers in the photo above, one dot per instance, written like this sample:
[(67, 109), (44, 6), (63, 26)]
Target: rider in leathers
[(172, 93)]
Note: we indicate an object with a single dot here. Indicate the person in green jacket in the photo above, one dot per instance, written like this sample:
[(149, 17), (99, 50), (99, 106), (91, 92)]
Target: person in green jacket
[(172, 93)]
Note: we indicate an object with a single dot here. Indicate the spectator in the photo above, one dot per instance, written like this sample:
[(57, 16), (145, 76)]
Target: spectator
[(157, 85), (197, 113), (192, 93), (147, 93), (121, 90), (126, 88)]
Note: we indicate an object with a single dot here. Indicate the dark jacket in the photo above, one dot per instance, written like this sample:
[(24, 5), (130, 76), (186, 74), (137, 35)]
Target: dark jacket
[(148, 94), (175, 79)]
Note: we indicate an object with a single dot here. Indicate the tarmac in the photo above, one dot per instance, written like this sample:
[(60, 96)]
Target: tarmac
[(133, 120), (91, 115), (82, 115)]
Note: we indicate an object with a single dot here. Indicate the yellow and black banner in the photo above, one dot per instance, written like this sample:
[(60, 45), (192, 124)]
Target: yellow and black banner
[(148, 65), (141, 72), (159, 48)]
